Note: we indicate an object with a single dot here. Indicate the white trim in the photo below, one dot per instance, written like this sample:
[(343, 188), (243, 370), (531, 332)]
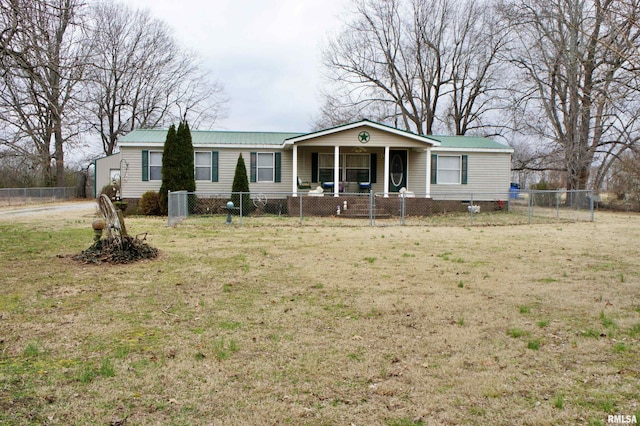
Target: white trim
[(336, 171), (478, 150), (294, 171), (365, 123), (160, 145), (428, 168), (386, 171)]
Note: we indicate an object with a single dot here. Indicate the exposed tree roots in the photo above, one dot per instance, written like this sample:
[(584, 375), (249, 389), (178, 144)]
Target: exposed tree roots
[(117, 251)]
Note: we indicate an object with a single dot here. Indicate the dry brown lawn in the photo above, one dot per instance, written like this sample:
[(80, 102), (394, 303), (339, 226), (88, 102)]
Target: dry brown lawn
[(321, 325)]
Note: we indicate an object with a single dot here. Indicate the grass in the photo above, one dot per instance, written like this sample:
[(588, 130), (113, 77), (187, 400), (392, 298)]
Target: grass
[(543, 323), (534, 344), (321, 325), (524, 309), (558, 401), (516, 332)]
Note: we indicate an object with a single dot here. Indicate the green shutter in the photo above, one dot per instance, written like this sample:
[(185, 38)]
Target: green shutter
[(434, 169), (145, 165), (374, 168), (278, 167), (214, 166), (314, 167), (252, 164), (465, 161)]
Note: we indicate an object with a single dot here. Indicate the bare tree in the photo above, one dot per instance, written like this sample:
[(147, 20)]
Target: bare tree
[(411, 60), (475, 69), (42, 66), (575, 84), (141, 78)]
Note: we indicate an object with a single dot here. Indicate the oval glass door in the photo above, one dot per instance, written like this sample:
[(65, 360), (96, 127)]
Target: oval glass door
[(397, 170)]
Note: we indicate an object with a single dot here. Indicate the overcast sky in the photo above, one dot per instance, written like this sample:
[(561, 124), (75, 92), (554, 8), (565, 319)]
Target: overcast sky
[(266, 53)]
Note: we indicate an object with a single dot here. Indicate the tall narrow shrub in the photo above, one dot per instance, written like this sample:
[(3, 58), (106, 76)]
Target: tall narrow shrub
[(241, 184), (178, 171), (187, 161), (185, 143), (170, 168)]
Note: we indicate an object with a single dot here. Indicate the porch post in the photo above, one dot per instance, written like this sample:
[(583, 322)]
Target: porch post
[(294, 169), (428, 186), (336, 171), (386, 171)]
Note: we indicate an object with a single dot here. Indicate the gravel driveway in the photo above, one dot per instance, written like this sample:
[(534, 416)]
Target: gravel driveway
[(54, 208)]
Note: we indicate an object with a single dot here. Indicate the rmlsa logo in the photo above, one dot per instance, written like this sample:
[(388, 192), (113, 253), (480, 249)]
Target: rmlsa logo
[(621, 419)]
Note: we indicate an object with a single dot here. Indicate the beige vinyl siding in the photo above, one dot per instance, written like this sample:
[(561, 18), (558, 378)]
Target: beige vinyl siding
[(134, 187), (103, 166), (227, 161), (132, 184), (488, 177), (417, 170)]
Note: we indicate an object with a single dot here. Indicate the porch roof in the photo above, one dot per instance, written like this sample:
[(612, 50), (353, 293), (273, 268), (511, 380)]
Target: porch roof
[(363, 123)]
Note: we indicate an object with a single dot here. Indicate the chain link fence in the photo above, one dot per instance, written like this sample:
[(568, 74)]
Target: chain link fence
[(22, 196), (376, 209)]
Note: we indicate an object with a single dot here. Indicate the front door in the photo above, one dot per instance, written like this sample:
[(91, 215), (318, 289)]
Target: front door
[(397, 170)]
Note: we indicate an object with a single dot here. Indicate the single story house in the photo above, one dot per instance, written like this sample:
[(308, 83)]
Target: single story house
[(357, 157)]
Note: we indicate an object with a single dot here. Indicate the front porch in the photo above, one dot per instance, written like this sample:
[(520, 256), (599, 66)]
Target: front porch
[(361, 157), (351, 169)]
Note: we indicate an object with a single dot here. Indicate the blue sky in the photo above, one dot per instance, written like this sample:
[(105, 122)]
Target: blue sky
[(267, 54)]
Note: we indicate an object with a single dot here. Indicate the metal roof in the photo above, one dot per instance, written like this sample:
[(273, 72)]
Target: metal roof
[(209, 137), (279, 139), (468, 142)]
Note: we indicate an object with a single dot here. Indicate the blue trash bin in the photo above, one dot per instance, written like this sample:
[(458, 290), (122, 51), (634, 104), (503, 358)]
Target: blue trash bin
[(514, 190)]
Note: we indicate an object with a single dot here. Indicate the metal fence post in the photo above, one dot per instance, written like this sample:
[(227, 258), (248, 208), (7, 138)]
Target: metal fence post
[(300, 197), (241, 199), (530, 212), (169, 208), (402, 209), (371, 207)]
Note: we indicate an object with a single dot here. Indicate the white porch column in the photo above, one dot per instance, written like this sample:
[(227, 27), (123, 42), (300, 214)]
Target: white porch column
[(336, 171), (386, 171), (294, 171), (428, 186)]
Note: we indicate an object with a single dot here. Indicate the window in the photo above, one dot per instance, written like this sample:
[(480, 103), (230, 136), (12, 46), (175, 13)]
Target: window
[(449, 169), (114, 175), (325, 167), (265, 167), (203, 165), (353, 167), (155, 165), (357, 167)]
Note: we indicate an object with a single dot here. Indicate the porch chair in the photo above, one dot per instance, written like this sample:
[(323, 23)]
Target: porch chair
[(303, 185), (364, 184)]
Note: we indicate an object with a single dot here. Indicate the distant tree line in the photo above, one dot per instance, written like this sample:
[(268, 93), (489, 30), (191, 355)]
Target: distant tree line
[(558, 79), (73, 72)]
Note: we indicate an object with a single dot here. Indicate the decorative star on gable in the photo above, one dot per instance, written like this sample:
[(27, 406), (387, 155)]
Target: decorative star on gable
[(364, 137)]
